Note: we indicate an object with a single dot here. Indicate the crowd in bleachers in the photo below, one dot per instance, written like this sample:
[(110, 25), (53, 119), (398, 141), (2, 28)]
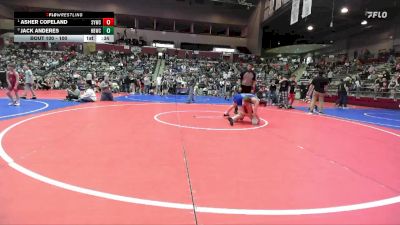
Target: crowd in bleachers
[(120, 69), (39, 61), (133, 73), (372, 80), (215, 77)]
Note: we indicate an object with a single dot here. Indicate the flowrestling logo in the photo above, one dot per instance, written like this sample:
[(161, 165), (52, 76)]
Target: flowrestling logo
[(376, 14)]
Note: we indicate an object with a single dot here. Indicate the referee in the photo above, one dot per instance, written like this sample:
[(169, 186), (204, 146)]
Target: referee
[(248, 80)]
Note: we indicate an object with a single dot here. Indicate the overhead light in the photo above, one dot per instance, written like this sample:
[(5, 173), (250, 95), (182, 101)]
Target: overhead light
[(331, 41), (310, 28), (364, 22), (344, 10), (224, 50), (162, 45)]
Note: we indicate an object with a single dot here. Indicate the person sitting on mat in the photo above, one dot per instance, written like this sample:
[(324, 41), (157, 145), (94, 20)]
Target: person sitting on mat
[(89, 95), (73, 93), (247, 106)]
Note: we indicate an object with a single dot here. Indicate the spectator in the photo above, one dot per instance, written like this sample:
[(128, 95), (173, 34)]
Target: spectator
[(330, 76), (272, 91), (385, 88), (283, 92), (73, 93), (190, 84), (262, 94), (392, 87), (165, 87), (158, 85), (342, 93), (126, 82), (147, 84), (89, 79), (133, 83), (56, 84), (303, 91), (292, 90)]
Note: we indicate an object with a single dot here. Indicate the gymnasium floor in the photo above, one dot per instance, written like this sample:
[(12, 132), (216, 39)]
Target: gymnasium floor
[(157, 160)]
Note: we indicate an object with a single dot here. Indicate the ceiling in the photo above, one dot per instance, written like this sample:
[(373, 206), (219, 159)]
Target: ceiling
[(296, 49), (227, 4), (227, 12), (277, 30)]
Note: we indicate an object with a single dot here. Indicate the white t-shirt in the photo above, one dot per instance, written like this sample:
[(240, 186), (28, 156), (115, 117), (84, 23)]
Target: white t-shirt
[(89, 76), (159, 80), (28, 77), (89, 93)]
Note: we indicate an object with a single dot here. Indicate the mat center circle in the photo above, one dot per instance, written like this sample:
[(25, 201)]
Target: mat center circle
[(205, 120)]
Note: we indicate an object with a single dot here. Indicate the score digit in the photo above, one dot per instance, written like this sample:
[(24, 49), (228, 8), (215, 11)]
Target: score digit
[(108, 21), (108, 30)]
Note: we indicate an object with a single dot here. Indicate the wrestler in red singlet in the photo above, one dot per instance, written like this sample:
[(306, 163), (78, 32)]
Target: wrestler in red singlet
[(12, 79)]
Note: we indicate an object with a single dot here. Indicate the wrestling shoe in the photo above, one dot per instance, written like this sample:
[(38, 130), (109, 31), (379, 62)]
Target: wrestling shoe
[(230, 121)]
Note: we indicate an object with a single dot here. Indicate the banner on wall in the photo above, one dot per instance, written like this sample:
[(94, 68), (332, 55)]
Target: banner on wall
[(307, 4), (278, 4), (271, 6), (294, 16)]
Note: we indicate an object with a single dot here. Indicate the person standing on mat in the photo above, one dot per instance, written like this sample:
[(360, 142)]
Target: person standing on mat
[(28, 82), (319, 85), (283, 92), (342, 93), (12, 80), (190, 85), (292, 90), (248, 80), (105, 87), (272, 91)]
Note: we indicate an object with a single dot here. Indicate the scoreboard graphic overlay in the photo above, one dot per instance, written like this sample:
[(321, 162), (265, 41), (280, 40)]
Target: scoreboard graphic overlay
[(64, 27)]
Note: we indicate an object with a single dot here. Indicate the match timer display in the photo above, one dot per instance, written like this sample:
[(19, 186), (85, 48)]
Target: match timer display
[(64, 27)]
